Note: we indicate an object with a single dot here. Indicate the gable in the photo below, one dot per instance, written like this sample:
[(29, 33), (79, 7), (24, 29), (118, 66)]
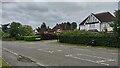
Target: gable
[(100, 17), (92, 19)]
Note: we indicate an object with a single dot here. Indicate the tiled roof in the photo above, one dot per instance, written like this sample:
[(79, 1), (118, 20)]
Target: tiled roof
[(103, 17)]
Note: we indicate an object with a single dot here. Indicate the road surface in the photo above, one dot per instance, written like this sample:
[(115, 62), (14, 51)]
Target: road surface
[(52, 53)]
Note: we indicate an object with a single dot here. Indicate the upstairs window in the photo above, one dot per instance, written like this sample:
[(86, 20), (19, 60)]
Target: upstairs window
[(92, 26)]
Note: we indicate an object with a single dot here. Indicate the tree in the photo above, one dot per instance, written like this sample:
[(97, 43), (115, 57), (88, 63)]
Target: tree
[(14, 29), (74, 25), (26, 30), (68, 26), (43, 26), (116, 23)]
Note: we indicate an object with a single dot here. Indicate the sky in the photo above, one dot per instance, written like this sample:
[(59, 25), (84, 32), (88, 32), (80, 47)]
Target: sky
[(36, 12)]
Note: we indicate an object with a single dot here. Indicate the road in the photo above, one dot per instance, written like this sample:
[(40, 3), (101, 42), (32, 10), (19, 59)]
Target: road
[(52, 53)]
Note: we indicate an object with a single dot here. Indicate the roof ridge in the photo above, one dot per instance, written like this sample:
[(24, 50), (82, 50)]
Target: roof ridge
[(101, 13)]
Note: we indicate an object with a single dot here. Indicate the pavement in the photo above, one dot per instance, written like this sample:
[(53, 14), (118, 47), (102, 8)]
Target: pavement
[(53, 53)]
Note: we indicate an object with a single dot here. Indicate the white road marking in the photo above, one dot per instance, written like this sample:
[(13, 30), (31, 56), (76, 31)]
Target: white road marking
[(98, 57), (101, 61), (114, 53), (59, 50), (10, 51), (70, 55), (24, 56), (48, 51), (40, 49), (92, 51), (6, 62)]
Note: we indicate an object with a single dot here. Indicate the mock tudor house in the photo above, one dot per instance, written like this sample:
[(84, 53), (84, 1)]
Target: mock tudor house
[(97, 22)]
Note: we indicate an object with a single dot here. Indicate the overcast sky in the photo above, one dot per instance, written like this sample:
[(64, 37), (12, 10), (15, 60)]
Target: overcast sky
[(34, 13)]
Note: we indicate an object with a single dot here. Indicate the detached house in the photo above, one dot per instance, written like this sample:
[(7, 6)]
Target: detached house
[(97, 22), (63, 26)]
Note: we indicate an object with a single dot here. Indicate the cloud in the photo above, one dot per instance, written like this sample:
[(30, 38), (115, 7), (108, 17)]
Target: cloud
[(34, 13), (60, 0)]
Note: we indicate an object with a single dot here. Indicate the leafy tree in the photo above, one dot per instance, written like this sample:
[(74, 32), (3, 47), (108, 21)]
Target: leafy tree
[(68, 23), (43, 26), (14, 29), (116, 23), (26, 30), (68, 26), (74, 25)]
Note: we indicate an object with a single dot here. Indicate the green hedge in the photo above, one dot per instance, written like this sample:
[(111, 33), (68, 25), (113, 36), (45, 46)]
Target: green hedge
[(19, 37), (28, 38), (77, 37)]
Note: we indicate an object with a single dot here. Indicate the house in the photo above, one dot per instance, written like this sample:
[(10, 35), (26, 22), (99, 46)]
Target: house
[(97, 22), (57, 28), (63, 26), (41, 31)]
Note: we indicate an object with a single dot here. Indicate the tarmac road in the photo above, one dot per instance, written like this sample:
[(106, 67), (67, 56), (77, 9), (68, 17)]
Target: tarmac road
[(52, 53)]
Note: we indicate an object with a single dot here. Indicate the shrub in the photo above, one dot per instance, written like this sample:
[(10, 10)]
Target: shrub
[(31, 38), (77, 37), (48, 36), (5, 35), (19, 37), (27, 38)]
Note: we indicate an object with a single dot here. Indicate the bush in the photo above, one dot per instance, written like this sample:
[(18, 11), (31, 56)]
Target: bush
[(19, 37), (48, 36), (5, 35), (77, 37), (31, 38), (27, 38)]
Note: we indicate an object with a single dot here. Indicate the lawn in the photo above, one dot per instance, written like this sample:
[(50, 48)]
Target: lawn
[(3, 63)]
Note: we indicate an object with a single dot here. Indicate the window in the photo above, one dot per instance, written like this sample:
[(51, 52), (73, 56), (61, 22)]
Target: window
[(92, 25), (93, 19)]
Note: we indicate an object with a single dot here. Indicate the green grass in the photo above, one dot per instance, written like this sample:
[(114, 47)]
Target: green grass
[(0, 62), (3, 64)]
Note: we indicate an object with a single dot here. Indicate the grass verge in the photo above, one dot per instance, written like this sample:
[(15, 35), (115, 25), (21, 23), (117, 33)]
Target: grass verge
[(3, 64)]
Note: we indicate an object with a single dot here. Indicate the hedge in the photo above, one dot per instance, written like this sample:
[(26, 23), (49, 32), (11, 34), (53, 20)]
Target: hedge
[(48, 36), (102, 39), (28, 38)]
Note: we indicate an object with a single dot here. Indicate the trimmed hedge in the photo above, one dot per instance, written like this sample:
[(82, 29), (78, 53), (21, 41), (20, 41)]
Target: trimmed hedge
[(102, 39), (27, 38)]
